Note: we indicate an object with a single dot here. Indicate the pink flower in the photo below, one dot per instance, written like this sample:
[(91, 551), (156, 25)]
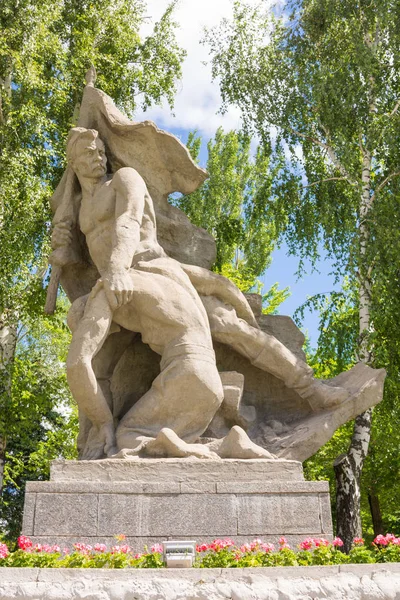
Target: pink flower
[(83, 548), (65, 550), (100, 548), (381, 540), (385, 540), (282, 541), (3, 551), (337, 542), (358, 541), (306, 544), (245, 548), (283, 544), (138, 556), (217, 545), (157, 548), (24, 542), (55, 548), (267, 547), (255, 544), (202, 548), (125, 549), (38, 547), (390, 538)]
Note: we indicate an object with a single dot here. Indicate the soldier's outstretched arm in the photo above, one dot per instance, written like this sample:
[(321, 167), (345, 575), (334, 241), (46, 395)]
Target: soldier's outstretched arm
[(208, 283), (130, 192)]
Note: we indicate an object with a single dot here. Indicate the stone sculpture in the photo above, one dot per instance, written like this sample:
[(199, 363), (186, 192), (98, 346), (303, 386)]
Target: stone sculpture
[(118, 246)]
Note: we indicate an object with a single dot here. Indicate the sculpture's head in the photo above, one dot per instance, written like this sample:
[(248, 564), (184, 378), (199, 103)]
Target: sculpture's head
[(86, 153)]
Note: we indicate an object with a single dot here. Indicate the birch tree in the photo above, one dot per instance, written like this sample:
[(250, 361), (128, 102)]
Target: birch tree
[(325, 74)]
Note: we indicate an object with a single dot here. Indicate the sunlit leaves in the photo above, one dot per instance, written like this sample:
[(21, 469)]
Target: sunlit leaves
[(324, 74), (232, 204), (45, 49)]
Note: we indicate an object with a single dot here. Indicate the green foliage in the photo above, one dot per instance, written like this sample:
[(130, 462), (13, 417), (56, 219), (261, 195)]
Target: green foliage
[(232, 206), (219, 554), (46, 48), (41, 417), (338, 320), (232, 203), (327, 79), (324, 75), (337, 344), (274, 298)]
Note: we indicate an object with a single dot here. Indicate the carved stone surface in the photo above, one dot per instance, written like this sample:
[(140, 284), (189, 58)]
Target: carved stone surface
[(167, 358), (150, 500), (352, 582), (172, 469)]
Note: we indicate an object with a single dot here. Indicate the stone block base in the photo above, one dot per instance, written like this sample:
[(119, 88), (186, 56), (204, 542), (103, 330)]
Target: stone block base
[(153, 500)]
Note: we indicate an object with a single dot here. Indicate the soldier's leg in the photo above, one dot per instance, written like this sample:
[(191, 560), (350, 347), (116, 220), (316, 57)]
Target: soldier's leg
[(184, 397), (188, 391), (103, 364), (269, 354), (88, 337)]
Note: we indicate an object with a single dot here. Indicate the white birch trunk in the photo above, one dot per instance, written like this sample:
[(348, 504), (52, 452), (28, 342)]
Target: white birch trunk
[(348, 467), (8, 343)]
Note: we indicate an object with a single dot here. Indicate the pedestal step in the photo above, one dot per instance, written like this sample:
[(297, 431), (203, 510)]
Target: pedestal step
[(172, 499)]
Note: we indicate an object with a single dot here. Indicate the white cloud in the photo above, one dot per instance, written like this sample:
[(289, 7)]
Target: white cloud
[(198, 100)]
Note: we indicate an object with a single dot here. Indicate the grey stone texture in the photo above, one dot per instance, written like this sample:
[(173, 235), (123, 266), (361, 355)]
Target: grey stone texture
[(150, 500), (174, 469), (138, 275), (347, 582)]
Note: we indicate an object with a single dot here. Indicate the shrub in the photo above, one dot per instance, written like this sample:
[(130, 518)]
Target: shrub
[(220, 553)]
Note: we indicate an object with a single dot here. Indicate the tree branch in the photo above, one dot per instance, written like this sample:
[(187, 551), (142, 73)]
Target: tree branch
[(331, 153), (383, 183), (333, 156), (394, 111), (324, 180)]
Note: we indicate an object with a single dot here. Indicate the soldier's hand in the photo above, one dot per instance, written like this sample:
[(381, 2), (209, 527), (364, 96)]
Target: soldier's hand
[(61, 235), (118, 288)]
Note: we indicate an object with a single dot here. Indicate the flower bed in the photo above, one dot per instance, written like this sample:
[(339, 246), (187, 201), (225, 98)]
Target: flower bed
[(219, 554)]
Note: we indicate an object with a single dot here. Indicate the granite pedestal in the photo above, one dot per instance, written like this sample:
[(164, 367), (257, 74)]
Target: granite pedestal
[(153, 500)]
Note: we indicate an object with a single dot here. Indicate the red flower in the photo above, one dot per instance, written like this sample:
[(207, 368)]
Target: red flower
[(24, 542), (358, 541), (306, 544), (320, 542)]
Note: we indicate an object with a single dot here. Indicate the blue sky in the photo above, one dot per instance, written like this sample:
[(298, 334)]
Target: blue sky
[(196, 107)]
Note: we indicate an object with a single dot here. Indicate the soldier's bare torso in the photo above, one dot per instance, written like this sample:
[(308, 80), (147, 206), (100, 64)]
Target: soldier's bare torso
[(97, 220), (163, 300)]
